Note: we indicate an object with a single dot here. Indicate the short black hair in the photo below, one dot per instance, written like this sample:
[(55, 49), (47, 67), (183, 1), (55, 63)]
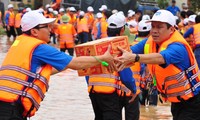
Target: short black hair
[(114, 31), (173, 1), (29, 31), (143, 34), (197, 19)]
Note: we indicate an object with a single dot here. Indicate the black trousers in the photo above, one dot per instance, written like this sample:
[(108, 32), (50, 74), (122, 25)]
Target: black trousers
[(11, 31), (132, 110), (187, 110), (106, 106), (11, 111)]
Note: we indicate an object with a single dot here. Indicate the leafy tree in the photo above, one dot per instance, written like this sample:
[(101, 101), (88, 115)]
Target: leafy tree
[(162, 4)]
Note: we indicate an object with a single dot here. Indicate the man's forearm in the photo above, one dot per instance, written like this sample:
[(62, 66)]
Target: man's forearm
[(153, 58)]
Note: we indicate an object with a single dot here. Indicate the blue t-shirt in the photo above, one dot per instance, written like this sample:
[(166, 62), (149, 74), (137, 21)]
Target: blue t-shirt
[(188, 32), (46, 54), (176, 54), (174, 10)]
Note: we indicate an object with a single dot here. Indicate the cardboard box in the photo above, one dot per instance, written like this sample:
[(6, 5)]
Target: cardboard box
[(99, 47)]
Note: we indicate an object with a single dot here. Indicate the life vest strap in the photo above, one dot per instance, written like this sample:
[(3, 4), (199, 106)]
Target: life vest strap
[(24, 83), (106, 76), (180, 75), (134, 72), (123, 88), (22, 93), (26, 72)]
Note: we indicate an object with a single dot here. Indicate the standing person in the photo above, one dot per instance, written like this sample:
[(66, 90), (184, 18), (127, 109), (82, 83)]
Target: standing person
[(10, 22), (82, 27), (116, 27), (90, 17), (18, 21), (104, 89), (2, 10), (194, 31), (66, 34), (172, 63), (26, 69), (173, 8)]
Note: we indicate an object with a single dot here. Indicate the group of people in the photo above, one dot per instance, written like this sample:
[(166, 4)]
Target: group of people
[(163, 60)]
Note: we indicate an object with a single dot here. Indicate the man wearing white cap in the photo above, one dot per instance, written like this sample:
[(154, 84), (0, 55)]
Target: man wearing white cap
[(194, 31), (90, 18), (108, 101), (96, 24), (72, 15), (10, 22), (25, 72), (172, 63)]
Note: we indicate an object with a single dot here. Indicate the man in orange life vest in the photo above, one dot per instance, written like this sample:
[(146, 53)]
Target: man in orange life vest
[(171, 61), (26, 69)]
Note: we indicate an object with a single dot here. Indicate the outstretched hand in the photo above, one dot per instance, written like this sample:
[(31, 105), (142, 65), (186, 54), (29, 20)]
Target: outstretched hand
[(110, 60), (124, 60)]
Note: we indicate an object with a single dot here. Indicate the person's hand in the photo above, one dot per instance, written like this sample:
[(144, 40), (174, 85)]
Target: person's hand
[(133, 97), (110, 60), (8, 27), (125, 60)]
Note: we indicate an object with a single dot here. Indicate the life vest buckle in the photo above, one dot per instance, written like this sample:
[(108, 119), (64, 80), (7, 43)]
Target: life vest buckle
[(37, 76), (24, 93), (30, 85), (186, 71)]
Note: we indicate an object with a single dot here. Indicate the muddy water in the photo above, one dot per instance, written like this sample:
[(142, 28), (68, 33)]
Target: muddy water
[(67, 98)]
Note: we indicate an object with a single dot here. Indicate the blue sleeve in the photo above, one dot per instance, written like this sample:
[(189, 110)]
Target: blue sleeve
[(46, 54), (87, 79), (99, 31), (168, 8), (176, 54), (188, 32), (7, 18), (127, 79), (139, 48)]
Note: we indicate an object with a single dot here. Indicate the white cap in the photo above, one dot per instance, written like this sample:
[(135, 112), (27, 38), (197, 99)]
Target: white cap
[(129, 11), (50, 9), (47, 6), (28, 9), (192, 18), (114, 11), (143, 26), (132, 23), (61, 10), (90, 9), (40, 10), (145, 17), (121, 12), (103, 7), (10, 6), (99, 15), (163, 16), (72, 9), (130, 14), (32, 19), (82, 13), (185, 21), (55, 12), (117, 19)]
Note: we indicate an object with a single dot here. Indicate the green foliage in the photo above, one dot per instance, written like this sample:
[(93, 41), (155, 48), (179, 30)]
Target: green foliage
[(195, 5), (162, 4), (2, 31)]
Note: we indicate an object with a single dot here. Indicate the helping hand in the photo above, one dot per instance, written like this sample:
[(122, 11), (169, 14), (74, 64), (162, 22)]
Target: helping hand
[(124, 60), (133, 97)]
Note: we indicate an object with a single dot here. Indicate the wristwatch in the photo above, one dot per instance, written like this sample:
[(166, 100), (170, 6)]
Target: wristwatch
[(137, 58)]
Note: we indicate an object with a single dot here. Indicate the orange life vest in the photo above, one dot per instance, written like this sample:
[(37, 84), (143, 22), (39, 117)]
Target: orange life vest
[(72, 19), (171, 81), (196, 33), (82, 25), (11, 20), (95, 28), (90, 18), (18, 18), (104, 26), (105, 83), (66, 34), (14, 74)]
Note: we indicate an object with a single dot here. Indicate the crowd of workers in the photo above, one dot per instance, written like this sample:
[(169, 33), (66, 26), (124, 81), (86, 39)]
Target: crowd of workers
[(109, 93)]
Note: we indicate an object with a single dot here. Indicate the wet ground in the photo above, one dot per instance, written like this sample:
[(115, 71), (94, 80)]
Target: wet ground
[(67, 98)]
